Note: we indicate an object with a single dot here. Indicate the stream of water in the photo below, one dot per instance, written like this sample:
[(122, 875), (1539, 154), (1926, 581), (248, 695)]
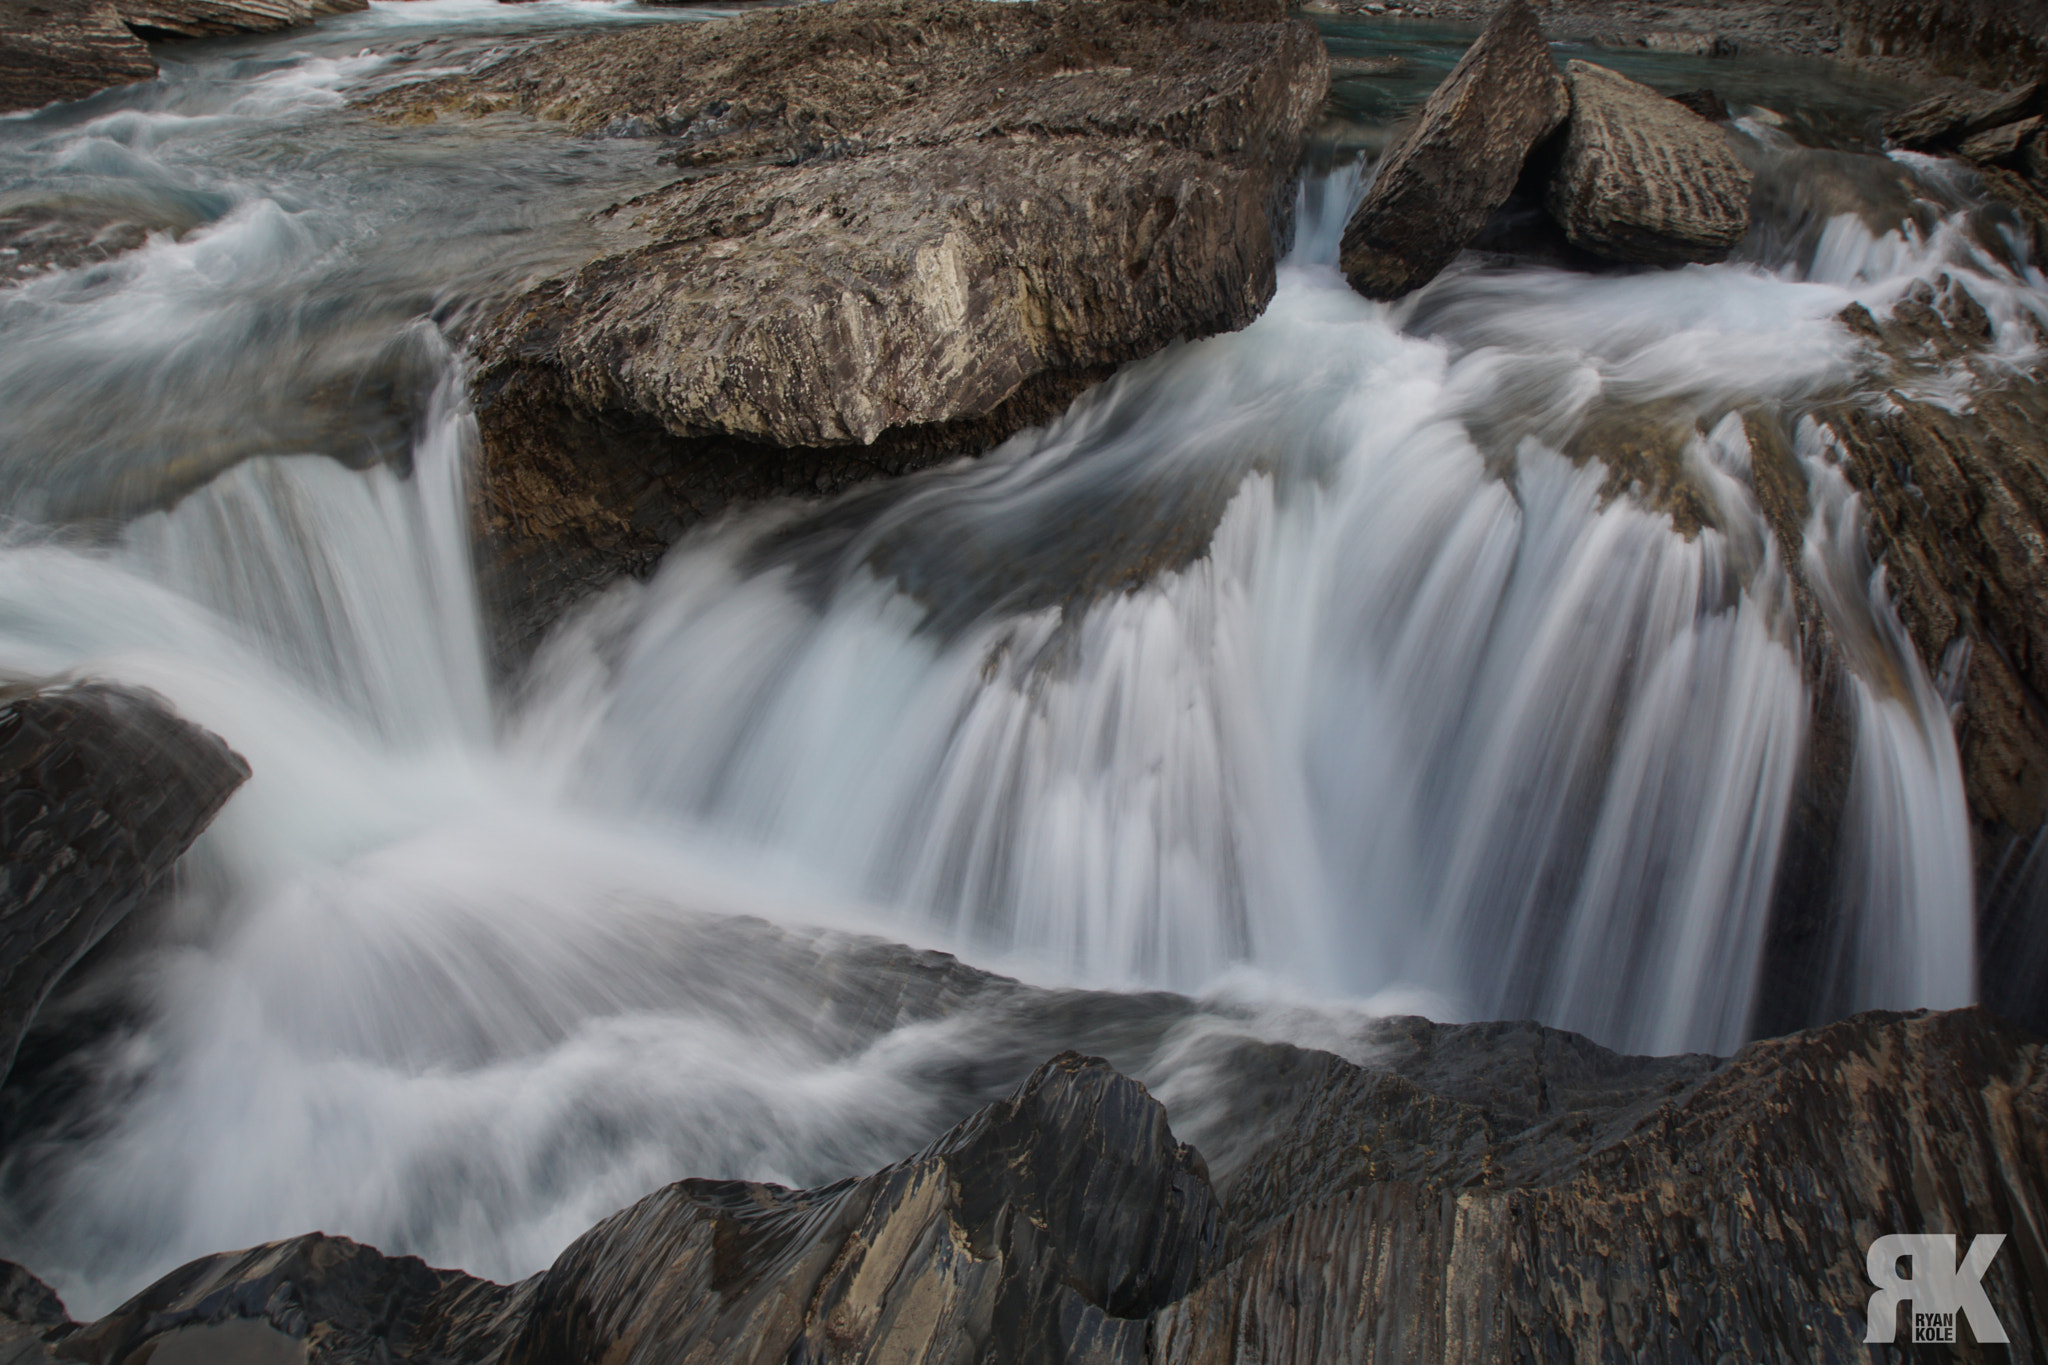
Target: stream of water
[(1433, 722)]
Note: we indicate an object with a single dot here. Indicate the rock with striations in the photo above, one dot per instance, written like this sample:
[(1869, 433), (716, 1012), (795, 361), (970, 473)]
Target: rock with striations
[(1945, 121), (1644, 179), (1958, 511), (65, 50), (101, 789), (1474, 1193), (217, 18), (884, 233), (1987, 42), (1457, 164)]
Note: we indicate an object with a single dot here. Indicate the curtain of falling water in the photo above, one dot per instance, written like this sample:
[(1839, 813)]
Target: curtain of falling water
[(1302, 650)]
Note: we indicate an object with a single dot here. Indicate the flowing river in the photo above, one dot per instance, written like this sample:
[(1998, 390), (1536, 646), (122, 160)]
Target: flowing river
[(1408, 712)]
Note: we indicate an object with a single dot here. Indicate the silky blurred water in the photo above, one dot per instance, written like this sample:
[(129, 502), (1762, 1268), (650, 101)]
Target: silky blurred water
[(1303, 672)]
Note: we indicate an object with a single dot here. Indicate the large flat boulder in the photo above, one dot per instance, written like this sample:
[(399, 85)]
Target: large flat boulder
[(101, 789), (1644, 179), (895, 232), (1459, 161), (65, 50)]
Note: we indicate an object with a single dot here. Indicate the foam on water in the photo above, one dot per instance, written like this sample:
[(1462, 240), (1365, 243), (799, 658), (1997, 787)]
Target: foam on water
[(1299, 669)]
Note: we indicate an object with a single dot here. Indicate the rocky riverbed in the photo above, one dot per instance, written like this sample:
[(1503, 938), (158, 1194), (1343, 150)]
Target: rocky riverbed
[(869, 238)]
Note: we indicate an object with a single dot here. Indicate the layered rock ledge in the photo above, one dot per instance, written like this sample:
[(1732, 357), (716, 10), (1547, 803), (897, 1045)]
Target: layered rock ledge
[(895, 232), (1473, 1193)]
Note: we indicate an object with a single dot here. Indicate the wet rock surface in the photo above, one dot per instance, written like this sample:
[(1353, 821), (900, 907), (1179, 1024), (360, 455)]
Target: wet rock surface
[(1644, 179), (1478, 1192), (65, 50), (1436, 187), (216, 18), (101, 789), (889, 232)]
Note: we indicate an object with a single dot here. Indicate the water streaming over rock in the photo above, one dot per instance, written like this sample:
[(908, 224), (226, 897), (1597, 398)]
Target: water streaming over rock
[(1302, 664)]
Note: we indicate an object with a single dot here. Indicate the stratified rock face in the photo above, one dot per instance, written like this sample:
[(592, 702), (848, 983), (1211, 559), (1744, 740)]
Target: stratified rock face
[(1643, 178), (1989, 42), (902, 230), (1050, 1226), (1958, 506), (1943, 122), (65, 50), (1731, 1222), (213, 18), (101, 789), (1439, 184)]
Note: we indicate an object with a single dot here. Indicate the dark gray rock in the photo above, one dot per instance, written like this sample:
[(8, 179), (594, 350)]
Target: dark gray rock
[(101, 789), (65, 50), (1458, 163), (1729, 1222), (894, 232), (1050, 1226), (1644, 179), (1944, 121)]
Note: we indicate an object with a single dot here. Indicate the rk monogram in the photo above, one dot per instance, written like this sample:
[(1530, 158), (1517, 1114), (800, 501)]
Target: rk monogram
[(1938, 1288)]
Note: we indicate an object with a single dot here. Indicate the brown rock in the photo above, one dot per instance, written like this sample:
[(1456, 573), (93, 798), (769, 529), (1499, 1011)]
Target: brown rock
[(212, 18), (1643, 178), (1943, 122), (1987, 42), (1439, 184), (65, 50), (903, 229), (101, 789), (1958, 506)]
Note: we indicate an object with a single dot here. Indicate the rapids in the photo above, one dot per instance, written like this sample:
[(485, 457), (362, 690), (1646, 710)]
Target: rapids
[(1298, 671)]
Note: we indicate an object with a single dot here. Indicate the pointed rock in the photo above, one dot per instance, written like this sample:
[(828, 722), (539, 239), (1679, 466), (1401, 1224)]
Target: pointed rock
[(1440, 183)]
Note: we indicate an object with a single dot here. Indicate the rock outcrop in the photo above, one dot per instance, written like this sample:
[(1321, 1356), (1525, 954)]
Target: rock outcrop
[(1476, 1193), (1729, 1221), (1437, 186), (216, 18), (65, 50), (1988, 42), (1644, 179), (101, 789), (895, 232), (1958, 506)]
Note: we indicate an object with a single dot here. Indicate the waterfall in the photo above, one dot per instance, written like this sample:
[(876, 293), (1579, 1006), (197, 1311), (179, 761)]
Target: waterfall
[(1310, 664)]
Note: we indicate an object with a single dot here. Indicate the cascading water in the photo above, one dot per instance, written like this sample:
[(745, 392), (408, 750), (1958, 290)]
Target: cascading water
[(1297, 664)]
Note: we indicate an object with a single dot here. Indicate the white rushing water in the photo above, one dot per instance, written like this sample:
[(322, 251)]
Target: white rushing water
[(1426, 721)]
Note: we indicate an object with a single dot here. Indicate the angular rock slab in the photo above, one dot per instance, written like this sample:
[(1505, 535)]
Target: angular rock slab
[(1731, 1222), (65, 50), (903, 230), (101, 789), (1439, 184), (1642, 178)]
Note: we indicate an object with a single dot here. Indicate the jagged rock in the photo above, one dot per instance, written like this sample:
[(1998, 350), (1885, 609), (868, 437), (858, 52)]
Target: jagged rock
[(898, 231), (1439, 184), (1989, 42), (1731, 1221), (101, 788), (65, 50), (1642, 178), (1958, 506), (1050, 1226), (1942, 123)]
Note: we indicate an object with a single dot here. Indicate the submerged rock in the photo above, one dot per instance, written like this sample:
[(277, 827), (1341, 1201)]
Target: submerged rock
[(101, 789), (1476, 1192), (65, 50), (1458, 163), (896, 231), (1644, 179)]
